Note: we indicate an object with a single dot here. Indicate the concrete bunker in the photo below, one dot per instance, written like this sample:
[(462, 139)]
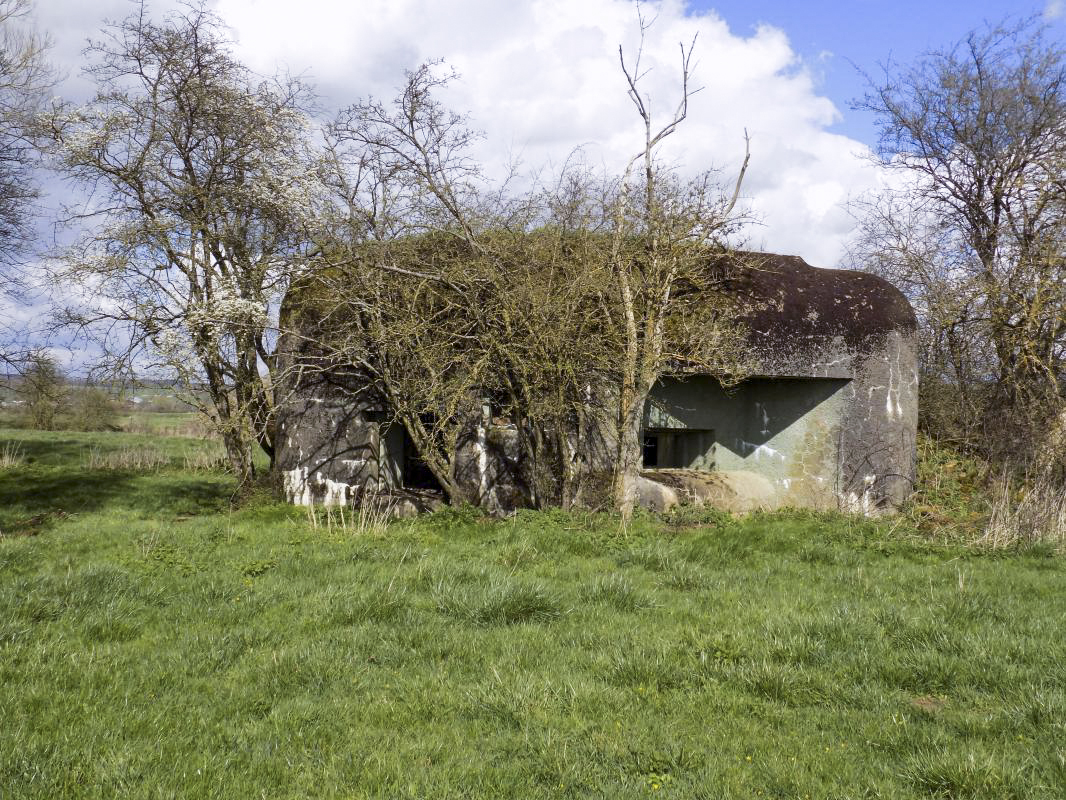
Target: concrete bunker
[(827, 420), (785, 429)]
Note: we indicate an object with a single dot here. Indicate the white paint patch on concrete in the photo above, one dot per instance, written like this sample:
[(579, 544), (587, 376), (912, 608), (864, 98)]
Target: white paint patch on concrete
[(758, 451), (300, 487), (760, 409), (861, 502), (893, 406), (336, 493), (297, 490), (481, 445)]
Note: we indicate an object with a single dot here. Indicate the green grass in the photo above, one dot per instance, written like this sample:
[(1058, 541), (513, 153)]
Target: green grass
[(952, 498), (165, 423), (155, 642)]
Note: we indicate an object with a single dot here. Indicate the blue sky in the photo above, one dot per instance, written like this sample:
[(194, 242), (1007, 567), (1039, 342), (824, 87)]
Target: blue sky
[(830, 35)]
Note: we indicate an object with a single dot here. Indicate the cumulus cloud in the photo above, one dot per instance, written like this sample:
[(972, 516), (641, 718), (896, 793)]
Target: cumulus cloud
[(541, 77)]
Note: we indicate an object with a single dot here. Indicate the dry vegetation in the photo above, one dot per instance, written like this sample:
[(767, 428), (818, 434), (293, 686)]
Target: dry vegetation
[(11, 456), (1025, 513), (973, 230), (967, 500)]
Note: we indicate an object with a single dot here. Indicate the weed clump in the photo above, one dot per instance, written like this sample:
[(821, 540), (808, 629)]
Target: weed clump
[(11, 456), (498, 603), (1027, 514), (618, 592)]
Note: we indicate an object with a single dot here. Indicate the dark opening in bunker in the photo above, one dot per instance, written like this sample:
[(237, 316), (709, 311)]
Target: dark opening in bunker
[(666, 448), (416, 475), (651, 450)]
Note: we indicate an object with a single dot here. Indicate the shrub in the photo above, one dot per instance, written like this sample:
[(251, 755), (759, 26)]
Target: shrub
[(90, 409), (43, 393)]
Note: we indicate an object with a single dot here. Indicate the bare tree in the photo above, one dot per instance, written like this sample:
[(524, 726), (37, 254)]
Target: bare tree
[(203, 189), (664, 230), (43, 391), (975, 228), (24, 76), (557, 309), (443, 293), (403, 252)]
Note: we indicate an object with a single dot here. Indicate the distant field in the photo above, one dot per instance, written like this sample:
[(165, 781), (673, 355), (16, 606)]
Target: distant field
[(181, 424), (157, 642), (188, 424)]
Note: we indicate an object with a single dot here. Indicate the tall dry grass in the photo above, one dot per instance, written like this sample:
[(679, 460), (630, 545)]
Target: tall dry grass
[(138, 459), (1026, 513), (370, 517), (194, 428), (150, 458), (206, 460), (11, 456)]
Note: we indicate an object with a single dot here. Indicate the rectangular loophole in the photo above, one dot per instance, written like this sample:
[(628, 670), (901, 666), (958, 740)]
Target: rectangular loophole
[(668, 448)]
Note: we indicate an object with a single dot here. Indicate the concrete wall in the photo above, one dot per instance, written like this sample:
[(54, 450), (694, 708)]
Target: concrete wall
[(831, 422), (330, 450), (786, 429), (879, 433), (843, 440), (821, 442)]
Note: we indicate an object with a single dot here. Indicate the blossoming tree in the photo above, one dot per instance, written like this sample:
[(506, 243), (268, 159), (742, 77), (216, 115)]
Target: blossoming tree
[(201, 179)]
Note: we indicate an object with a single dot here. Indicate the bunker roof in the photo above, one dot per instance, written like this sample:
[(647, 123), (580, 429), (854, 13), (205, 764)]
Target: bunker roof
[(811, 322)]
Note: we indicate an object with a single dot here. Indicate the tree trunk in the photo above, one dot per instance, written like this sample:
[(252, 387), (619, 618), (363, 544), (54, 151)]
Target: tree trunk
[(630, 453), (567, 455), (441, 464), (252, 397), (239, 453)]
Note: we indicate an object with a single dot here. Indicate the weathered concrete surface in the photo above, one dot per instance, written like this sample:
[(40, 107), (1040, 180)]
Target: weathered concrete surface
[(853, 325), (784, 429), (879, 427), (332, 447), (655, 495), (330, 453), (734, 490), (830, 418)]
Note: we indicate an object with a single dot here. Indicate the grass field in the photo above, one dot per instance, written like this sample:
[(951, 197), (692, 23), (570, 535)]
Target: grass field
[(184, 424), (157, 642)]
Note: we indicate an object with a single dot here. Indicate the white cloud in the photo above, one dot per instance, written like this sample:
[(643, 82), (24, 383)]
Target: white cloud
[(1053, 9), (541, 77)]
